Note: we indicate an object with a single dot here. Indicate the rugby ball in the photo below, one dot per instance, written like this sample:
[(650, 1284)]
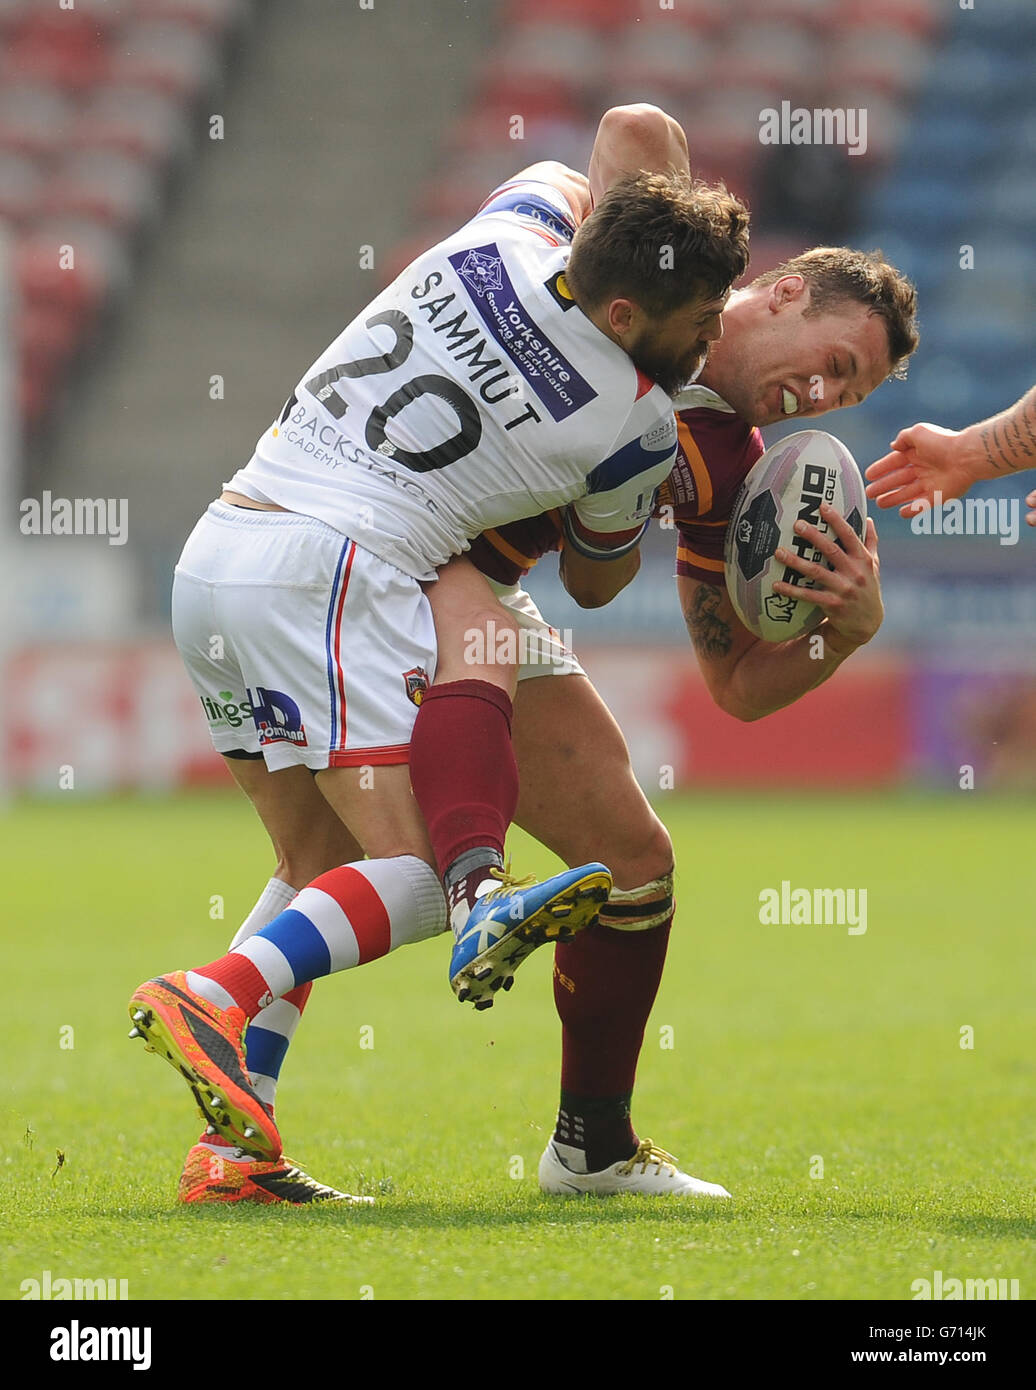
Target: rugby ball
[(790, 481)]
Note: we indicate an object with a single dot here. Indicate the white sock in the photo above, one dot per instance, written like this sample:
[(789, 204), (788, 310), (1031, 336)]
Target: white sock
[(274, 898)]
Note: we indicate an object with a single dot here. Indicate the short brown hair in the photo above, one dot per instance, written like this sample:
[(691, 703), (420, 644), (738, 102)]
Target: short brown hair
[(836, 274), (619, 251)]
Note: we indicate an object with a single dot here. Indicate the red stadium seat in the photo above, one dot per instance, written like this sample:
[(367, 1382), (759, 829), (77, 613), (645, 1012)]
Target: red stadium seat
[(101, 15), (63, 47), (819, 16), (21, 182), (781, 57), (100, 265), (703, 16), (46, 336), (560, 52), (209, 16), (920, 17), (597, 15), (880, 57), (661, 57), (174, 58), (402, 254), (138, 121), (113, 188), (74, 70), (34, 117), (602, 16), (35, 394), (504, 93), (454, 199), (11, 12), (41, 280), (729, 116)]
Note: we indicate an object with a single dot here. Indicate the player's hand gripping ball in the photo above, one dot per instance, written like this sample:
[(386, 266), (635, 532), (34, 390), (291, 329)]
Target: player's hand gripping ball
[(787, 484)]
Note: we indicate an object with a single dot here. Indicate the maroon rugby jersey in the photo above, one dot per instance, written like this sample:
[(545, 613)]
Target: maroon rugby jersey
[(716, 449)]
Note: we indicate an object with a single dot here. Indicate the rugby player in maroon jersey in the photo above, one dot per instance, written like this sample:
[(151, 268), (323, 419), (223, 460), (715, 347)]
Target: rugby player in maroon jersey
[(817, 333)]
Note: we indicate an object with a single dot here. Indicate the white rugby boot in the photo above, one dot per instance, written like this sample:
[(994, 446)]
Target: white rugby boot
[(651, 1171)]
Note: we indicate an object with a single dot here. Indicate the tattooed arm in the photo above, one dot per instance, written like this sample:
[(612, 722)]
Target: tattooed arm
[(749, 678), (926, 459)]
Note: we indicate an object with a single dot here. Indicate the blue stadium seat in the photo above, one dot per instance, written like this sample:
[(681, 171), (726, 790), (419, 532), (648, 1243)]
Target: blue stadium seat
[(918, 206), (948, 144)]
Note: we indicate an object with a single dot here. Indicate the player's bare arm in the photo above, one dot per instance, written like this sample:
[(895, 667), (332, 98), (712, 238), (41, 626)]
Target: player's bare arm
[(630, 139), (749, 678), (926, 459), (573, 185), (594, 583), (633, 138)]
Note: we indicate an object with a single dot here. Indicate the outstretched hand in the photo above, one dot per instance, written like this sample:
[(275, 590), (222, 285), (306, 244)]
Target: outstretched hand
[(924, 460)]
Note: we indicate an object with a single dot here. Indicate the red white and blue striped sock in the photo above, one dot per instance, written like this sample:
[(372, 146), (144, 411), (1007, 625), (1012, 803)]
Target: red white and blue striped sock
[(344, 918), (268, 1039)]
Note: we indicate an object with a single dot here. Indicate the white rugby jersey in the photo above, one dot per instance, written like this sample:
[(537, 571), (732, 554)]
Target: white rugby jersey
[(472, 392)]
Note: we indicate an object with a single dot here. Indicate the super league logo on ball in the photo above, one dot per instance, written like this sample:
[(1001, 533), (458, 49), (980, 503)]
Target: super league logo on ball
[(779, 608)]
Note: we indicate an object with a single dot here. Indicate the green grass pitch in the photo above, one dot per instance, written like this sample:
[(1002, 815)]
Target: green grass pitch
[(795, 1051)]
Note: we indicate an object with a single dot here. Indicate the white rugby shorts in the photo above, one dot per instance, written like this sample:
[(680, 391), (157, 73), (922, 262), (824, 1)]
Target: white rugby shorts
[(301, 645), (542, 649)]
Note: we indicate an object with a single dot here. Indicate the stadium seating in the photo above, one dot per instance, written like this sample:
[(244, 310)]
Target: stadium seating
[(715, 64), (98, 105), (951, 114), (955, 209)]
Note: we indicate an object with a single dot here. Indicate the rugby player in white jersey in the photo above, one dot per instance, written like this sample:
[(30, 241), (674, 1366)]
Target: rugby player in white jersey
[(845, 320), (465, 396), (833, 318)]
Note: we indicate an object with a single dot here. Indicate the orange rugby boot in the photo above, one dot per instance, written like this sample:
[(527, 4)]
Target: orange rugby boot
[(215, 1173), (206, 1046)]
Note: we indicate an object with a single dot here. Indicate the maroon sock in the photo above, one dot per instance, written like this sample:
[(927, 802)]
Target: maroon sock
[(605, 983), (465, 778)]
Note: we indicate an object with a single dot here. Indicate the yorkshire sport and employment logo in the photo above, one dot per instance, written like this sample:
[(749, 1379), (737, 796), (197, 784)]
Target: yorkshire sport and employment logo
[(482, 272), (548, 372)]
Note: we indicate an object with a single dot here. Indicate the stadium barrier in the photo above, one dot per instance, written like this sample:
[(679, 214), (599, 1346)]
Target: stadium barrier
[(95, 717)]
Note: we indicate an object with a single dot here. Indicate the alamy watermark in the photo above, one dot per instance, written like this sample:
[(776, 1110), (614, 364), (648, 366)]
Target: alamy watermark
[(504, 646), (825, 907), (75, 516), (81, 1343), (969, 516), (940, 1287), (47, 1287), (800, 125)]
